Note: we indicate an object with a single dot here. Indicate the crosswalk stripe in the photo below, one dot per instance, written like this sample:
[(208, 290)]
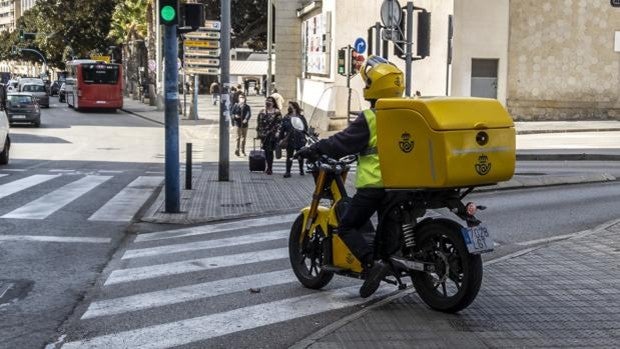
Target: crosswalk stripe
[(206, 245), (187, 293), (217, 228), (124, 205), (206, 327), (43, 238), (24, 183), (3, 174), (52, 202), (159, 270)]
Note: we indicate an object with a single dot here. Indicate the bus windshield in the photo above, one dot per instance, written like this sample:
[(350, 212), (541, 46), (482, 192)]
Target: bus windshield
[(33, 88), (100, 74)]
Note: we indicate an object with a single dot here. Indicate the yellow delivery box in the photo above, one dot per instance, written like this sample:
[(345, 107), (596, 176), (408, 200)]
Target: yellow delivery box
[(444, 142)]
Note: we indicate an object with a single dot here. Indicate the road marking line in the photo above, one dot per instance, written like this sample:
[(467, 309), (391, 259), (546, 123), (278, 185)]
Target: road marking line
[(217, 228), (24, 183), (54, 201), (14, 170), (210, 326), (62, 171), (41, 238), (206, 245), (3, 174), (154, 172), (110, 171), (187, 293), (124, 205), (203, 264)]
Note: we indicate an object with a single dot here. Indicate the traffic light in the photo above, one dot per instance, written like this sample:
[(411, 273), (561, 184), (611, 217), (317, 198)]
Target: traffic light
[(357, 60), (169, 12), (22, 35), (342, 62)]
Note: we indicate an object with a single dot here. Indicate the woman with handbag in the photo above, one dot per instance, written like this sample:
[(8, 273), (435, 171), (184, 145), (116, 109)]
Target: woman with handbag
[(268, 128), (291, 139)]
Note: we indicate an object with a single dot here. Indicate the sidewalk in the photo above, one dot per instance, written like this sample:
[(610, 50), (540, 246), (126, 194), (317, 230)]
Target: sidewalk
[(566, 294)]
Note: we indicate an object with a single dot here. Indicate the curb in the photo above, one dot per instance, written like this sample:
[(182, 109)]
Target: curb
[(318, 335), (603, 129), (568, 157), (142, 116), (523, 182)]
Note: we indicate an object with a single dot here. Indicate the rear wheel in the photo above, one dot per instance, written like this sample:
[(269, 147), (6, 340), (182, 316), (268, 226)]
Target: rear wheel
[(4, 155), (458, 275), (306, 256)]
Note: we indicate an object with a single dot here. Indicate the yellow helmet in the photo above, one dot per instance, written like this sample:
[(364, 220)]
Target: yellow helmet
[(383, 79)]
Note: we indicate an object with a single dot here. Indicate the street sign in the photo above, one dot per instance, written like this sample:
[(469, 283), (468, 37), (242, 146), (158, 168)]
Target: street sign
[(203, 43), (202, 70), (213, 25), (202, 52), (360, 45), (213, 62), (203, 35), (100, 58)]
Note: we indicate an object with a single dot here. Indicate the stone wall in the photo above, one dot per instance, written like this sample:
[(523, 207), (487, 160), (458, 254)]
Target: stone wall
[(287, 47), (562, 64)]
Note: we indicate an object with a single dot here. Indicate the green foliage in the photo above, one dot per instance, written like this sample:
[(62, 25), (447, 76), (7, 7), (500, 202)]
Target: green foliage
[(64, 29), (249, 21), (129, 21)]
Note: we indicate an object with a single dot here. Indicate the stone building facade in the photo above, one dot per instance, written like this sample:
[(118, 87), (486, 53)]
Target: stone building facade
[(562, 60), (544, 60)]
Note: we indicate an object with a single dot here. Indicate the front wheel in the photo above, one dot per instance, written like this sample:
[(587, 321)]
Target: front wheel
[(4, 155), (458, 275), (306, 256)]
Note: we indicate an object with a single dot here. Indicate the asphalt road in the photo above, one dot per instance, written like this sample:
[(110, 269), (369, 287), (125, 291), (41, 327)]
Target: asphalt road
[(64, 209), (191, 287)]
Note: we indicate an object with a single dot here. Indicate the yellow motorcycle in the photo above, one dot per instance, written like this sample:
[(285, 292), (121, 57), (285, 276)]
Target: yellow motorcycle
[(440, 255)]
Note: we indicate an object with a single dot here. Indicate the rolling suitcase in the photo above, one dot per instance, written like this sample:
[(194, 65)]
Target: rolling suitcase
[(257, 159)]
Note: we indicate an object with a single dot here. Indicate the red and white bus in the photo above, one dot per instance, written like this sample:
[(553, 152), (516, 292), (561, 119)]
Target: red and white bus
[(94, 84)]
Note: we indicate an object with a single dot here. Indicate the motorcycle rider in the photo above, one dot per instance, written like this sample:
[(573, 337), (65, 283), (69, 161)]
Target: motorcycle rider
[(383, 79)]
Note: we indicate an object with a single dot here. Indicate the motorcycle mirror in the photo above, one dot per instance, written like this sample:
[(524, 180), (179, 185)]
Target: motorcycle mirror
[(297, 123)]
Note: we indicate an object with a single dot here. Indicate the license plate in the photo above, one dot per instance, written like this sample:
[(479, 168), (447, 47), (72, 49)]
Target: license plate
[(18, 116), (477, 239)]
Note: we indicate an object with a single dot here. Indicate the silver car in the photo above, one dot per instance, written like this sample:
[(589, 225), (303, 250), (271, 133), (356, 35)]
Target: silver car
[(39, 92)]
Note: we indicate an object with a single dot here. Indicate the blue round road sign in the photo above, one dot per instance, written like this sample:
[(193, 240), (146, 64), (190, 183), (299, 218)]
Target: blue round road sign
[(360, 45)]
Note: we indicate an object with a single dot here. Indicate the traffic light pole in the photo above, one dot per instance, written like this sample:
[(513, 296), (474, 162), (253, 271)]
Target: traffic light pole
[(349, 82), (171, 99), (224, 163), (409, 49)]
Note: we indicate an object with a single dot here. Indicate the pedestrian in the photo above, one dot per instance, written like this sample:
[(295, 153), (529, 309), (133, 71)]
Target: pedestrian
[(235, 92), (292, 139), (246, 86), (214, 90), (269, 122), (278, 97), (241, 114), (418, 94)]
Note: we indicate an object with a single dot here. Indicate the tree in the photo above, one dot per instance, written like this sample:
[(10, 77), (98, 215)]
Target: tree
[(249, 21), (129, 21)]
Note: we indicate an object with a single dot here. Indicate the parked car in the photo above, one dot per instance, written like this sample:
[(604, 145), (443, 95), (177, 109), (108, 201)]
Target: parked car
[(22, 107), (38, 92), (11, 86), (5, 139), (54, 88), (62, 93)]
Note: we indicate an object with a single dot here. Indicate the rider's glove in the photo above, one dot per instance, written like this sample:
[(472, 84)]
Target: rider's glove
[(309, 152)]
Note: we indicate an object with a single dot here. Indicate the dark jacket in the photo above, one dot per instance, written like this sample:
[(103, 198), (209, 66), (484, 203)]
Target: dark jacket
[(268, 128), (294, 139), (351, 140), (241, 113)]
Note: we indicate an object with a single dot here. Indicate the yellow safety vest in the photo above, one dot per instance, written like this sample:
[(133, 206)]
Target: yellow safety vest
[(368, 167)]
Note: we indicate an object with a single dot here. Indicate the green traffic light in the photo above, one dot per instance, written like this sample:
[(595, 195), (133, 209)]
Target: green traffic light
[(168, 13)]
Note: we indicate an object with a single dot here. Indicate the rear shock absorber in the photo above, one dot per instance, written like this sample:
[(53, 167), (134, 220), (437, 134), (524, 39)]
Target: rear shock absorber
[(408, 235)]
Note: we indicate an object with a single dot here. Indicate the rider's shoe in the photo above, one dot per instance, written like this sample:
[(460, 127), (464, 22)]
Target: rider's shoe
[(375, 274)]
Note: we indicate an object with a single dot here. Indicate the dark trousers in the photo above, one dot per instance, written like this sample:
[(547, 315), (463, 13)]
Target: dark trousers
[(363, 205), (269, 158), (290, 152)]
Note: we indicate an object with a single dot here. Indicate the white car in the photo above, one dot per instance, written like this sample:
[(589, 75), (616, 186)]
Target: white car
[(5, 140)]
